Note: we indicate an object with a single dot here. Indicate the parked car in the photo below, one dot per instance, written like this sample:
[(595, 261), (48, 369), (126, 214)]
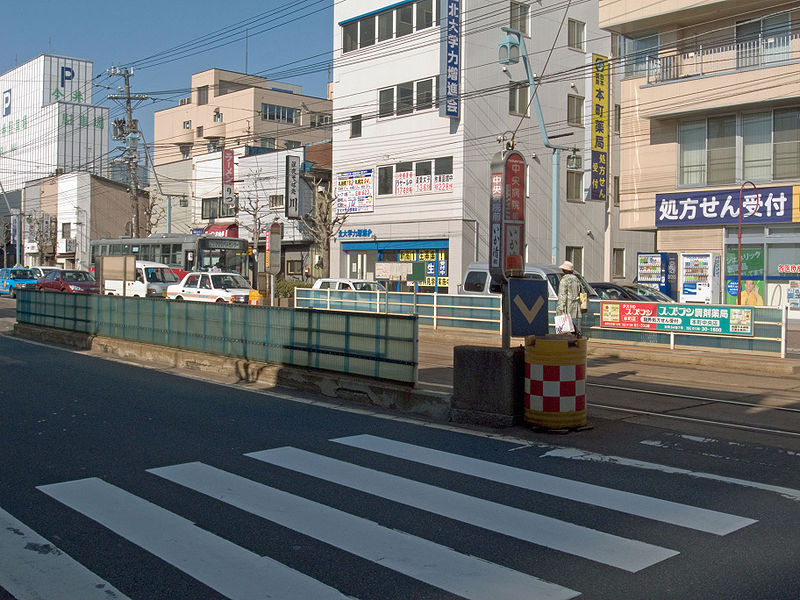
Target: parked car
[(211, 287), (42, 270), (16, 278), (477, 280), (635, 292), (342, 283), (150, 279), (68, 280)]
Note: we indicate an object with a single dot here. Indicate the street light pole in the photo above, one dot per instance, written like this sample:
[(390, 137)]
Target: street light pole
[(19, 224), (739, 269)]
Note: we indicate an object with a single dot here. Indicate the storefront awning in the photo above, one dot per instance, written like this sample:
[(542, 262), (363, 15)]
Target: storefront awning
[(222, 229)]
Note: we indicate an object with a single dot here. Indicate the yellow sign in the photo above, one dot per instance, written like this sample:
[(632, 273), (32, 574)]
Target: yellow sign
[(600, 118)]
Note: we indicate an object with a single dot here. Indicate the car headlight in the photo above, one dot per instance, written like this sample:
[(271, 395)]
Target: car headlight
[(75, 288)]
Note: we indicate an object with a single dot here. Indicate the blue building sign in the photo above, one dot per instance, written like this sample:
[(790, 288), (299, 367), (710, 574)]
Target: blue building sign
[(451, 59), (721, 207)]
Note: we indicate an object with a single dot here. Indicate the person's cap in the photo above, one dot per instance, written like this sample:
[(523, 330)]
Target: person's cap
[(566, 266)]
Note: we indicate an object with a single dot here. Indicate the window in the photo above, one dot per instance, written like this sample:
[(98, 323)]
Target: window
[(616, 190), (574, 255), (66, 231), (292, 144), (616, 45), (763, 41), (576, 36), (574, 186), (404, 19), (617, 117), (385, 26), (187, 124), (692, 153), (294, 267), (618, 263), (210, 208), (575, 110), (424, 94), (267, 142), (405, 98), (215, 145), (202, 95), (320, 120), (518, 99), (217, 117), (186, 151), (721, 150), (786, 143), (519, 17), (355, 126), (350, 36), (385, 181), (386, 102), (183, 201), (281, 114), (198, 132), (757, 147), (424, 14), (276, 201), (637, 52), (366, 35)]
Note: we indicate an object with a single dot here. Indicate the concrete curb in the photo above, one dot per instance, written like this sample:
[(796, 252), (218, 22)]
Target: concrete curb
[(360, 390)]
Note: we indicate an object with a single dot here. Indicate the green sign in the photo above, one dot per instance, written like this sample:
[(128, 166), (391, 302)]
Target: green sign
[(752, 270), (705, 319)]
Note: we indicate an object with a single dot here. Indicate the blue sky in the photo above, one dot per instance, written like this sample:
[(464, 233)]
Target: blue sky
[(166, 41)]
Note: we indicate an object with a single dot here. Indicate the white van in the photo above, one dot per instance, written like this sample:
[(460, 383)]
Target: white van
[(151, 279), (477, 280)]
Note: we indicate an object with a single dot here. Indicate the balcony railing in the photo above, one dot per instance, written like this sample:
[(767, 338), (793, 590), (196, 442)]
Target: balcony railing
[(764, 51)]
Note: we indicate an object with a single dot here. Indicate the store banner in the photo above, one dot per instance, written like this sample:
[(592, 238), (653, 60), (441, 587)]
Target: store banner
[(679, 318), (600, 90), (721, 207)]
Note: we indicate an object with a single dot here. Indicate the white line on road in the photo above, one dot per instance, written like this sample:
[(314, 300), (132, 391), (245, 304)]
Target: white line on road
[(34, 569), (232, 570), (421, 559), (623, 553), (674, 513)]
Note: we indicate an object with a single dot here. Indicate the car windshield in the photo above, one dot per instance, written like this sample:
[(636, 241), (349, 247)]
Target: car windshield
[(229, 282), (649, 293), (369, 286), (160, 275), (77, 276), (21, 274)]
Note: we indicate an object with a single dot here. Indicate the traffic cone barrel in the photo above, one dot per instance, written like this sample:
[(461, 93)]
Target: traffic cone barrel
[(555, 381)]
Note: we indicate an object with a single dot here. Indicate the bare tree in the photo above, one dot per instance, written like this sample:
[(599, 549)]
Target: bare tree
[(5, 237), (253, 202), (322, 223), (154, 211), (42, 231)]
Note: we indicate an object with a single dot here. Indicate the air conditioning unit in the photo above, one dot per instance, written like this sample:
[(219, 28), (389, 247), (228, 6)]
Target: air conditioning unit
[(184, 101), (66, 246)]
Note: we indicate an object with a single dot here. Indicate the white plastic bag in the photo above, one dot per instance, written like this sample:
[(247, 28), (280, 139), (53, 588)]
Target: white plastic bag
[(564, 324)]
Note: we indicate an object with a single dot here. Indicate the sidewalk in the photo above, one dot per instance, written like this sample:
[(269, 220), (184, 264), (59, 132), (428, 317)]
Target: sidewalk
[(436, 355)]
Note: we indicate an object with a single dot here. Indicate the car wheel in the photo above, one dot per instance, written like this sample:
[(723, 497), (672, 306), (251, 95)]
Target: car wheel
[(179, 298), (219, 300)]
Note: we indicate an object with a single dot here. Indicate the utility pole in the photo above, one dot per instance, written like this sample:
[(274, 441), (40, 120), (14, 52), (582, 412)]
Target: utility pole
[(128, 130)]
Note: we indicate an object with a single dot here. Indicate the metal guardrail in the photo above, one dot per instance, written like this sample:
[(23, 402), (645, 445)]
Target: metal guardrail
[(384, 346), (483, 313)]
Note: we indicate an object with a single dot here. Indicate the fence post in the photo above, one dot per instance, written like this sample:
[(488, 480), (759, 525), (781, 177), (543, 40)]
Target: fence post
[(784, 318), (435, 309)]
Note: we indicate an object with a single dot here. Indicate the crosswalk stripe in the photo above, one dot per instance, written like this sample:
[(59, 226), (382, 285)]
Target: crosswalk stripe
[(421, 559), (629, 555), (683, 515), (222, 565), (34, 569)]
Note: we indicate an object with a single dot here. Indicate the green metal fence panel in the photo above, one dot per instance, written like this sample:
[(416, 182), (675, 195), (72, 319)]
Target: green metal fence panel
[(359, 343)]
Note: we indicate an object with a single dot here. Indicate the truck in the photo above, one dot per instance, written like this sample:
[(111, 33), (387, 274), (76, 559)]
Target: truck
[(149, 280)]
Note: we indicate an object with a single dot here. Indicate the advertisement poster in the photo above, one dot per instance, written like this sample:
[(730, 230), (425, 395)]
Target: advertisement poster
[(354, 192), (793, 295), (600, 116), (677, 317), (752, 272)]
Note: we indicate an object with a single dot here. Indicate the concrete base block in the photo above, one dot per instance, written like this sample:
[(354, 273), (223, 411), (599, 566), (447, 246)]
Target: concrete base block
[(487, 385)]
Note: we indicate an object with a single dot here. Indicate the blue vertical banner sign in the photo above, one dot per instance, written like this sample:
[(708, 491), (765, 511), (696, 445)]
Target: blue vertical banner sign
[(451, 58), (600, 87)]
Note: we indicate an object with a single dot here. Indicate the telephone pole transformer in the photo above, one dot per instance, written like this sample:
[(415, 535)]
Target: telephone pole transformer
[(128, 130)]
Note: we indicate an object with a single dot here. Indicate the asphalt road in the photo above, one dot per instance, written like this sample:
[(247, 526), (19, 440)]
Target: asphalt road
[(119, 481)]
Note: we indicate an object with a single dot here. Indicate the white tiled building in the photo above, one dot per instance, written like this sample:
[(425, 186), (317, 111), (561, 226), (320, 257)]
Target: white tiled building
[(416, 182)]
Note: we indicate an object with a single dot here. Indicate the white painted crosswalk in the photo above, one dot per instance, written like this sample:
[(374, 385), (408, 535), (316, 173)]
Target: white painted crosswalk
[(240, 573)]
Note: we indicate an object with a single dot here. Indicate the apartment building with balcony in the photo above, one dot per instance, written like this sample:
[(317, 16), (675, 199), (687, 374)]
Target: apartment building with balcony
[(227, 109), (710, 135), (421, 106)]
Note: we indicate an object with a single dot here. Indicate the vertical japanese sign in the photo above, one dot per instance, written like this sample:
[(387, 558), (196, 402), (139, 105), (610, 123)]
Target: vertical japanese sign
[(451, 62), (227, 178), (507, 216), (600, 88), (292, 191)]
